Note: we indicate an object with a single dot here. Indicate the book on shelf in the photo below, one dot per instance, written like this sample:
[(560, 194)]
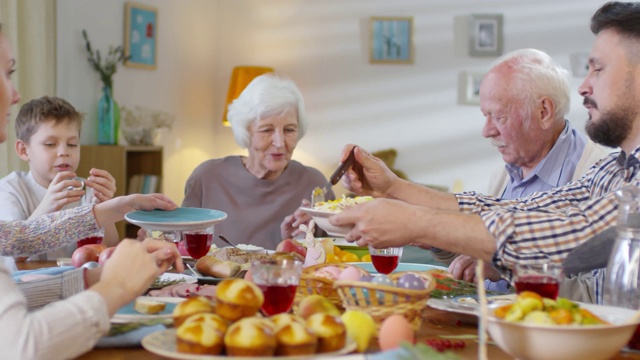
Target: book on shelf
[(143, 184)]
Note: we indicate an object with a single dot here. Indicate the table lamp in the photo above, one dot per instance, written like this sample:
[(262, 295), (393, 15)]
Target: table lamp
[(240, 78)]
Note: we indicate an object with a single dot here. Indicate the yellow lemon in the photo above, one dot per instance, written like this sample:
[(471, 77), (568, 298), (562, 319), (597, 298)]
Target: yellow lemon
[(331, 258), (366, 258), (360, 327), (346, 256), (336, 249)]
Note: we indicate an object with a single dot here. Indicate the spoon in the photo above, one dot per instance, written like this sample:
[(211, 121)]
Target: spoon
[(228, 242)]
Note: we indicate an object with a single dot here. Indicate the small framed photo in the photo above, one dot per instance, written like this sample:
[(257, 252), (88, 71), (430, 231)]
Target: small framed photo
[(391, 40), (485, 34), (141, 36), (469, 87)]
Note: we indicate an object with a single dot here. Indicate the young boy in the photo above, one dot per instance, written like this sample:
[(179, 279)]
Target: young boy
[(48, 138)]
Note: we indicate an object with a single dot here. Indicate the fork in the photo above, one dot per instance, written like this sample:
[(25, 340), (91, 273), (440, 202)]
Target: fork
[(317, 195)]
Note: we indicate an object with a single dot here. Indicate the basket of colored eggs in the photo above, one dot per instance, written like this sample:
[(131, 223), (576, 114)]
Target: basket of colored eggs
[(319, 279), (403, 293)]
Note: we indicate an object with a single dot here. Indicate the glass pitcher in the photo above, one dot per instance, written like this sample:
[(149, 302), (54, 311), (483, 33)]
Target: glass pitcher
[(622, 280), (622, 283)]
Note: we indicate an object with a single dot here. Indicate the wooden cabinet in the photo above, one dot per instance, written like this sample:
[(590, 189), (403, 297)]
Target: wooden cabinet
[(122, 162)]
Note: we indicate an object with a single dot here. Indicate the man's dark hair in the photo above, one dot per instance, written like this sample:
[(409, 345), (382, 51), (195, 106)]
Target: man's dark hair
[(624, 17)]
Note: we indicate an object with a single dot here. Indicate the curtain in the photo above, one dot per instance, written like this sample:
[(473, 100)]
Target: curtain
[(30, 27)]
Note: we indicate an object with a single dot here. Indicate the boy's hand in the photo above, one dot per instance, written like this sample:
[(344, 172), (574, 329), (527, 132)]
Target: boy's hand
[(102, 183), (63, 190)]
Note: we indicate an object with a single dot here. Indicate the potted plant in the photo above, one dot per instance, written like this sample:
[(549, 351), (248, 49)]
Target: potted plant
[(108, 110)]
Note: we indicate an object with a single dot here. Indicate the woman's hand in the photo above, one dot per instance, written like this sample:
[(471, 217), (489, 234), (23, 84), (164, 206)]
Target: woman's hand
[(290, 226)]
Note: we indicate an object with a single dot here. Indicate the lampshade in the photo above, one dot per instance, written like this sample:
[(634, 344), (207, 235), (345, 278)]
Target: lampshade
[(240, 78)]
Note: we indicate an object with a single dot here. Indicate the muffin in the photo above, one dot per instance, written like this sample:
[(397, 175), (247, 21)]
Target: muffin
[(191, 306), (251, 336), (282, 319), (201, 334), (238, 298), (330, 330), (295, 339)]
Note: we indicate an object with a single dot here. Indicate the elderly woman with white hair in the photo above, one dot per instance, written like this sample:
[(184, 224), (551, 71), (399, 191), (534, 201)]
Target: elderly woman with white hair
[(259, 192)]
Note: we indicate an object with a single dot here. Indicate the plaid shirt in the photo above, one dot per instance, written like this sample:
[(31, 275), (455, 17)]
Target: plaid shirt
[(548, 225)]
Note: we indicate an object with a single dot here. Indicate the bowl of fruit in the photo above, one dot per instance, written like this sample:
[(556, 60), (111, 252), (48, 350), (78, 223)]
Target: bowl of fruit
[(535, 328)]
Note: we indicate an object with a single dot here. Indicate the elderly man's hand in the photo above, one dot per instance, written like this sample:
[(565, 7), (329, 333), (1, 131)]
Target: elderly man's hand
[(369, 175)]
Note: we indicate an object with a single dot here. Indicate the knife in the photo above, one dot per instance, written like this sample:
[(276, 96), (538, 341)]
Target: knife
[(318, 194)]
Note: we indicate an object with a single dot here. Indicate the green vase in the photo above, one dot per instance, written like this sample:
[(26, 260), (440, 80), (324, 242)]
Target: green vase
[(108, 118)]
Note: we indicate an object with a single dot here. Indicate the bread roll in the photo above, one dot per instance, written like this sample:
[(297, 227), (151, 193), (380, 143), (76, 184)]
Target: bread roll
[(238, 298), (210, 266), (251, 336), (295, 339), (201, 334), (331, 332), (193, 305)]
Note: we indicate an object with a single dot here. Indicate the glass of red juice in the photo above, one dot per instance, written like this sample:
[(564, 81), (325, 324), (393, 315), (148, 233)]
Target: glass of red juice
[(278, 280), (198, 242), (385, 260), (543, 279)]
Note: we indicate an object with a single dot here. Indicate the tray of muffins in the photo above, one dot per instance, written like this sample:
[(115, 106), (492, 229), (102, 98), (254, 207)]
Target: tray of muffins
[(231, 325)]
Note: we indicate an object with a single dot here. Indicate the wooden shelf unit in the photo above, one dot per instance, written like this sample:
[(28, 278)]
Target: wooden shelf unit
[(122, 162)]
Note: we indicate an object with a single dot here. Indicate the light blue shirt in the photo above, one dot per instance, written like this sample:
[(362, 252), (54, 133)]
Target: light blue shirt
[(556, 169)]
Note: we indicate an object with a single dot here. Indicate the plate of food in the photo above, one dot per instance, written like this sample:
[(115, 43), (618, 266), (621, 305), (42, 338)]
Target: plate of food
[(321, 211), (146, 308), (163, 343), (468, 304), (180, 219)]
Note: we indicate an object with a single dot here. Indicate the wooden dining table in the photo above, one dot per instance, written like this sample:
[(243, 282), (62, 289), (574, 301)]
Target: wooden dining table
[(435, 323)]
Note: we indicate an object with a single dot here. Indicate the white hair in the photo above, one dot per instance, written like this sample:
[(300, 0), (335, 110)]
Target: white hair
[(536, 75), (268, 94)]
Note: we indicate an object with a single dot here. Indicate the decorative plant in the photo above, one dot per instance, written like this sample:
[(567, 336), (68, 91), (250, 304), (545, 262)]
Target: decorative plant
[(108, 68)]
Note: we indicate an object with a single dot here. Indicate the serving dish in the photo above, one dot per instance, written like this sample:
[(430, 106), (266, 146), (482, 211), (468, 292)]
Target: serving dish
[(180, 219), (163, 343), (321, 218)]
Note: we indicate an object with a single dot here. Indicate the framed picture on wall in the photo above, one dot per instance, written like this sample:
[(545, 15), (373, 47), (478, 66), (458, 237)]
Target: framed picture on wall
[(469, 87), (485, 34), (391, 40), (141, 35)]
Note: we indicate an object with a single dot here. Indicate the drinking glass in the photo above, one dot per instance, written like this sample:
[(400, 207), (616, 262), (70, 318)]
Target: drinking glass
[(198, 242), (542, 278), (89, 240), (278, 280), (169, 236), (385, 260)]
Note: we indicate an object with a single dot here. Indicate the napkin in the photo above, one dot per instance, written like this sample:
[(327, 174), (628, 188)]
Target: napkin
[(39, 273), (130, 338)]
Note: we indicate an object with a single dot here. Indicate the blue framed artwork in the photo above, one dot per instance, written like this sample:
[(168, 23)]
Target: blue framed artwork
[(391, 40), (141, 36)]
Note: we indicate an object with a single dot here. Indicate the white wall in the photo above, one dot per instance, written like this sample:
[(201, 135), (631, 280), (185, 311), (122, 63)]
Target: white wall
[(323, 46)]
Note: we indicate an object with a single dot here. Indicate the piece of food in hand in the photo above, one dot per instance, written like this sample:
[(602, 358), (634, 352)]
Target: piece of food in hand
[(316, 304), (211, 266), (147, 306), (83, 255), (201, 334), (360, 327), (295, 339), (290, 245), (106, 254), (331, 331), (238, 298), (251, 336), (193, 305)]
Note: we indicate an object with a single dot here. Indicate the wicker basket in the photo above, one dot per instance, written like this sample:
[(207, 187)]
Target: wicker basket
[(312, 285), (382, 301)]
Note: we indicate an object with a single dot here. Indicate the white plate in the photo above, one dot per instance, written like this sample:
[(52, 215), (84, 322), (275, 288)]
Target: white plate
[(163, 343), (321, 218), (345, 244), (180, 219), (126, 314), (467, 305)]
